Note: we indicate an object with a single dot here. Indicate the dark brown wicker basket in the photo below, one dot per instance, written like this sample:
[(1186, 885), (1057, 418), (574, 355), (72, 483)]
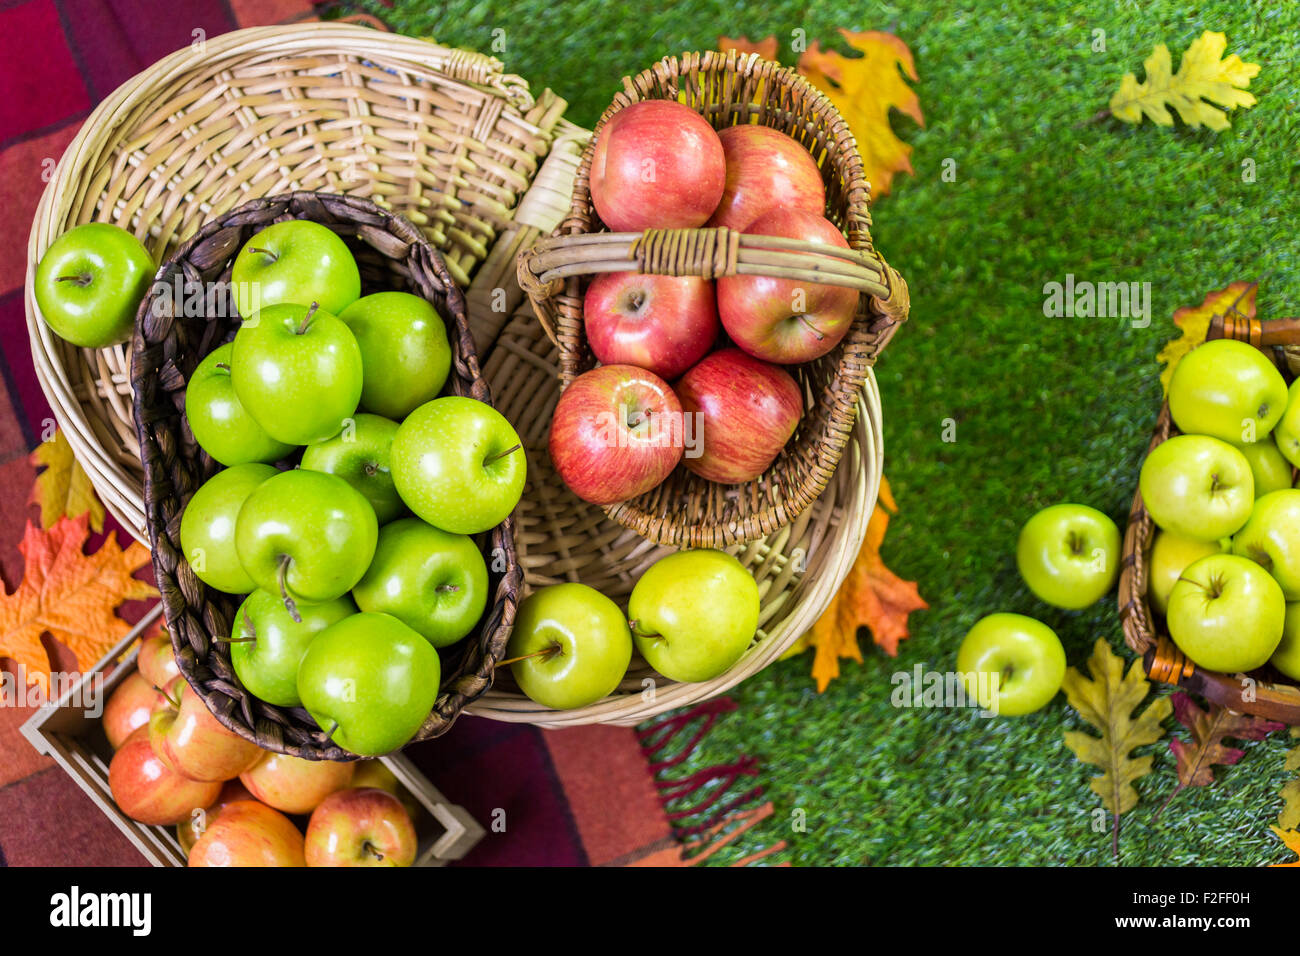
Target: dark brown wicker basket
[(166, 348)]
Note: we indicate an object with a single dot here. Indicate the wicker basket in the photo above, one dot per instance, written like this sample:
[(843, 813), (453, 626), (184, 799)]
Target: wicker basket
[(729, 89), (168, 344), (1268, 693)]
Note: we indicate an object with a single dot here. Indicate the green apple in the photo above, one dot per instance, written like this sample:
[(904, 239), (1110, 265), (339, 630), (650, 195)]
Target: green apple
[(306, 536), (1287, 433), (371, 680), (1170, 554), (220, 424), (1287, 656), (1271, 471), (359, 454), (1226, 613), (297, 370), (458, 464), (570, 646), (298, 262), (693, 614), (404, 351), (1022, 657), (90, 282), (208, 526), (1271, 538), (1198, 486), (431, 580), (1228, 390), (267, 644), (1068, 554)]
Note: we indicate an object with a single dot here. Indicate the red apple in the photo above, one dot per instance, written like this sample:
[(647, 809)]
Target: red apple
[(155, 660), (191, 828), (787, 321), (360, 827), (293, 784), (748, 410), (663, 324), (374, 773), (192, 742), (657, 165), (616, 433), (129, 708), (247, 833), (766, 170), (146, 790)]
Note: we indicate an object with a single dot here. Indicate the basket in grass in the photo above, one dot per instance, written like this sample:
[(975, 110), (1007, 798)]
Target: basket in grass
[(730, 89), (171, 337), (1265, 692)]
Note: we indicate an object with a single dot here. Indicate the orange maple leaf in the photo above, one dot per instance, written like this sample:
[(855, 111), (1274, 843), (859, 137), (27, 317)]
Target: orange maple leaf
[(1292, 840), (70, 595), (764, 48)]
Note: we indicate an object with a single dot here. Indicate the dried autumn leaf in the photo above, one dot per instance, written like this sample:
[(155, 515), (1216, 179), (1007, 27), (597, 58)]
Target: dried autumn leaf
[(1203, 75), (1289, 816), (765, 48), (70, 595), (864, 89), (1107, 701), (63, 489), (1292, 840), (1237, 299)]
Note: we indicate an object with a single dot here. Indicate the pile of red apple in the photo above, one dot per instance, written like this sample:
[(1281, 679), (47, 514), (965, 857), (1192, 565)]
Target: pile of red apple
[(230, 801), (726, 347)]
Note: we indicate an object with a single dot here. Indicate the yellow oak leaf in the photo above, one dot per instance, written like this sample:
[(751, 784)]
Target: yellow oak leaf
[(864, 89), (764, 48), (70, 595), (63, 488), (1205, 81), (1292, 840), (1237, 299)]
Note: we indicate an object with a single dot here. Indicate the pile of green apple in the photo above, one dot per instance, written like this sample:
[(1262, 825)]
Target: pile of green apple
[(358, 563)]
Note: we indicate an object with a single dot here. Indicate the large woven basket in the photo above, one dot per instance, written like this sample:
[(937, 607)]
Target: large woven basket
[(1266, 692), (730, 89), (170, 341)]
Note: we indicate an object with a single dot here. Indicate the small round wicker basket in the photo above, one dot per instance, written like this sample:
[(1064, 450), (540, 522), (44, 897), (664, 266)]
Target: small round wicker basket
[(171, 338), (729, 89)]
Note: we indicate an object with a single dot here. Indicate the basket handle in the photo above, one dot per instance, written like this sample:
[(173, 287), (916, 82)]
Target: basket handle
[(707, 253), (1260, 333)]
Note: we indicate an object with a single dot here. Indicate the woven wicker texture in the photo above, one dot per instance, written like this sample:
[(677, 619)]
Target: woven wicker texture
[(729, 89)]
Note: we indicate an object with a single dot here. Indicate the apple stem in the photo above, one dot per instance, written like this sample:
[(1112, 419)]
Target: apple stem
[(306, 319), (223, 366), (174, 701), (327, 734), (82, 279), (234, 640), (369, 848), (552, 649), (816, 331), (289, 604), (265, 252), (634, 624), (497, 457), (447, 587)]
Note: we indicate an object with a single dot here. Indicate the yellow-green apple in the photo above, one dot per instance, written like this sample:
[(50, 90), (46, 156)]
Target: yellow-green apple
[(148, 791), (766, 170), (745, 411), (296, 262), (369, 681), (221, 425), (1198, 486), (192, 742), (1171, 552), (1286, 657), (431, 580), (156, 661), (362, 826), (1068, 554), (208, 526), (663, 324), (128, 708), (1227, 389), (1270, 470), (570, 646), (189, 830), (617, 432), (405, 354), (1271, 538), (1022, 659), (374, 773), (294, 785), (787, 321), (248, 833), (693, 614), (90, 282), (306, 536), (458, 464), (1226, 613), (1286, 434), (657, 164), (360, 456), (267, 644), (297, 370)]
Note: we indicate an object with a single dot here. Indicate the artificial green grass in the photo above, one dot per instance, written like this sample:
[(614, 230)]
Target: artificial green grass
[(1046, 409)]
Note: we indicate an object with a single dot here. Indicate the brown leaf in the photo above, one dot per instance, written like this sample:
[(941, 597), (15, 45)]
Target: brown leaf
[(62, 489)]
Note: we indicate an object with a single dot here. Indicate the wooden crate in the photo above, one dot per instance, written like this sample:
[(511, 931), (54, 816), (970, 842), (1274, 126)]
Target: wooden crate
[(77, 743)]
